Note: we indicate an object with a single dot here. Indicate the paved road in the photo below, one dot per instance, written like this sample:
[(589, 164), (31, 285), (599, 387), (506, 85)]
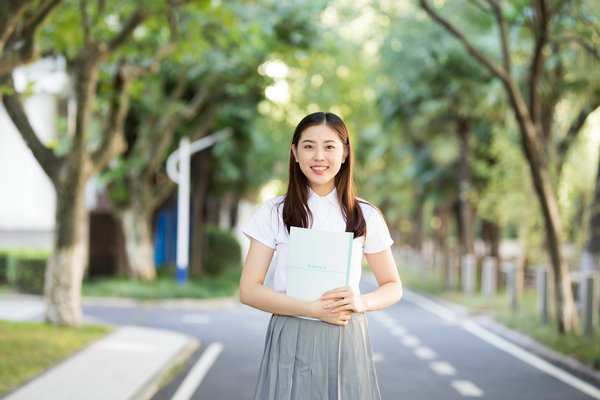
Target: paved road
[(421, 351)]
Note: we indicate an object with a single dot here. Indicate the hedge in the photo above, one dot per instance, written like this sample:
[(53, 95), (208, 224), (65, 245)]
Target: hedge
[(224, 252), (24, 269)]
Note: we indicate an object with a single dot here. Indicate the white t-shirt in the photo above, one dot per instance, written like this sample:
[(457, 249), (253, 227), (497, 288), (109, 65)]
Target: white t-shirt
[(266, 226)]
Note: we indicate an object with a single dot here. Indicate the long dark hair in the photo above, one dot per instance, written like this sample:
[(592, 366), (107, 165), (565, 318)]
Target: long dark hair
[(295, 205)]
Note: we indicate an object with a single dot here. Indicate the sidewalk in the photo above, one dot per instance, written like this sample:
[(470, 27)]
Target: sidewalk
[(126, 364)]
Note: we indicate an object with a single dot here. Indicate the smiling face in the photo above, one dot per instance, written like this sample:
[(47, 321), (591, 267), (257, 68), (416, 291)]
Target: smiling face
[(320, 154)]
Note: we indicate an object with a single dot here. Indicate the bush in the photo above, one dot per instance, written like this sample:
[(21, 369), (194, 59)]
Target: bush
[(224, 252), (25, 269), (3, 266)]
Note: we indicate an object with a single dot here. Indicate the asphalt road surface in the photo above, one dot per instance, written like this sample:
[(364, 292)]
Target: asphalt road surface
[(422, 351)]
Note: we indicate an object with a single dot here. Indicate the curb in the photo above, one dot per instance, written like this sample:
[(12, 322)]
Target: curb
[(138, 381), (153, 385), (124, 302)]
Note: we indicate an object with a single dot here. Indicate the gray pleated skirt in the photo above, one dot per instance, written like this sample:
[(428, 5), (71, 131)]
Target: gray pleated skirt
[(314, 360)]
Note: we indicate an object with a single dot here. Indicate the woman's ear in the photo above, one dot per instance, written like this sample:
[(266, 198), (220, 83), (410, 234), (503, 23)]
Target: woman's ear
[(345, 154), (295, 152)]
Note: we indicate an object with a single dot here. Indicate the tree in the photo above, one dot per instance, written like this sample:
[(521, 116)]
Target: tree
[(534, 111), (209, 82), (86, 47), (20, 23)]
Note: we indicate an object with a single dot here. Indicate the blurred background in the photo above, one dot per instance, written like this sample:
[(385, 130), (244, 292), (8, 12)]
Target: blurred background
[(475, 126)]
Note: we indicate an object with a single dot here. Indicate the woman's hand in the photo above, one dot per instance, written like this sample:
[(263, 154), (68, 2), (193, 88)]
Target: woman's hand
[(319, 311), (343, 299)]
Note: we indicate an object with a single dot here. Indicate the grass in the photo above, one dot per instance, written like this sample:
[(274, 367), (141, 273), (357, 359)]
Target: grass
[(29, 348), (525, 319), (165, 287)]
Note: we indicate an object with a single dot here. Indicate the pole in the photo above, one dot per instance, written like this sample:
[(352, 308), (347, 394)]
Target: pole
[(182, 177), (183, 211), (542, 292)]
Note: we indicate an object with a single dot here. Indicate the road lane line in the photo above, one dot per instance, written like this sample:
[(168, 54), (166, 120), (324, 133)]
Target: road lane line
[(505, 345), (424, 353), (531, 359), (378, 357), (196, 374), (410, 341), (398, 331), (196, 318), (467, 388), (442, 368)]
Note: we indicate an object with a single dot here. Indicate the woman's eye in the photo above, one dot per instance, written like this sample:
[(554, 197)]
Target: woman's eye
[(308, 146), (330, 147)]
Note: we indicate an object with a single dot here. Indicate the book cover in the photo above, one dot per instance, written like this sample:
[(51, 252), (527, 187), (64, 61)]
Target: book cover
[(318, 261)]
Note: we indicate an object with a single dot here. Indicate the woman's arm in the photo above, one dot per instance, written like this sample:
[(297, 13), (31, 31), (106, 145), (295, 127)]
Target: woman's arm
[(254, 293), (388, 292)]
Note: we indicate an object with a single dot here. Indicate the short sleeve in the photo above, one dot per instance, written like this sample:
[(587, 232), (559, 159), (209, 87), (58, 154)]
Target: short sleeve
[(263, 224), (378, 235)]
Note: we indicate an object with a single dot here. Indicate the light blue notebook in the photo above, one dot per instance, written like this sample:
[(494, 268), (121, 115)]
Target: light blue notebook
[(318, 261)]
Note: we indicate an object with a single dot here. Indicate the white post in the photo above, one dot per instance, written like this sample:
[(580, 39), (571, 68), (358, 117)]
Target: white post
[(182, 177), (542, 292), (451, 273), (489, 284), (183, 211), (468, 274), (511, 284), (589, 304)]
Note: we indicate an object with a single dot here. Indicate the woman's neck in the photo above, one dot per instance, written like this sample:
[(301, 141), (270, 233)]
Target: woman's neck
[(322, 190)]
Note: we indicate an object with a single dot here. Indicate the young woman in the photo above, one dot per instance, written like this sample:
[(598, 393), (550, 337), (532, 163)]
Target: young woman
[(329, 356)]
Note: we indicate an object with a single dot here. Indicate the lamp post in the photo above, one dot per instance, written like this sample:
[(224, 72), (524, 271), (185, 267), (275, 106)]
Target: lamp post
[(181, 176)]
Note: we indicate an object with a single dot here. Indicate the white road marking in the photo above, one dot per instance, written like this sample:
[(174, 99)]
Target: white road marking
[(398, 331), (196, 374), (442, 368), (467, 388), (410, 341), (384, 319), (195, 318), (531, 359), (424, 353), (504, 345)]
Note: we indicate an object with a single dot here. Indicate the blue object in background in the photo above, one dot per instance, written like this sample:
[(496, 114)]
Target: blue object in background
[(165, 235)]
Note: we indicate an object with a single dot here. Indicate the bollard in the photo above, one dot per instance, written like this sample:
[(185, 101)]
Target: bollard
[(511, 284), (589, 309), (468, 274), (541, 283), (451, 272), (422, 265), (488, 277)]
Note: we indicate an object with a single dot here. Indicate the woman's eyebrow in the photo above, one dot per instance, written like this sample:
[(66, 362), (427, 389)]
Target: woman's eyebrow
[(312, 141)]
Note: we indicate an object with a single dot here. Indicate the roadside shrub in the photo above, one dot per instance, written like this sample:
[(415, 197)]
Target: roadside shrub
[(25, 270), (3, 266), (224, 251)]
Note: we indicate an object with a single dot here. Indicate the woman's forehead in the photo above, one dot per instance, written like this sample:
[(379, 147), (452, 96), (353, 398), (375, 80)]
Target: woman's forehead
[(319, 133)]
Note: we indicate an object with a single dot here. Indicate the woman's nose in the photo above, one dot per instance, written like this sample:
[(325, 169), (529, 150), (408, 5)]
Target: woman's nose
[(318, 154)]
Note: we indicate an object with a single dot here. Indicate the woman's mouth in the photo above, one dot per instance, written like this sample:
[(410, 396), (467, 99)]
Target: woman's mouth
[(319, 169)]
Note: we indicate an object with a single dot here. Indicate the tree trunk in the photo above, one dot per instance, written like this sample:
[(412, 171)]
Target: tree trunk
[(416, 229), (137, 227), (589, 259), (200, 168), (66, 266), (441, 236), (233, 211), (464, 187), (565, 306), (490, 233), (521, 260)]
